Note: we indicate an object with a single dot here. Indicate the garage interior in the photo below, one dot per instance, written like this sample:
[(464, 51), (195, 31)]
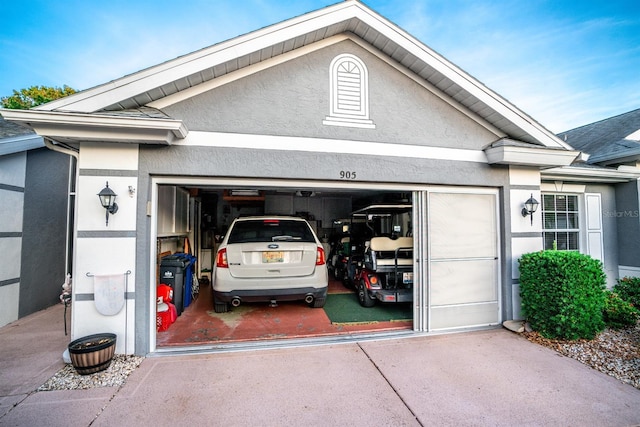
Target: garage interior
[(193, 220)]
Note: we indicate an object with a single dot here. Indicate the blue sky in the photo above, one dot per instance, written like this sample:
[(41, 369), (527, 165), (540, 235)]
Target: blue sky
[(564, 62)]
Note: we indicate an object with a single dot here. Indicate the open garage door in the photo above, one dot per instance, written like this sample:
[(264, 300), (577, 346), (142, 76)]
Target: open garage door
[(212, 206)]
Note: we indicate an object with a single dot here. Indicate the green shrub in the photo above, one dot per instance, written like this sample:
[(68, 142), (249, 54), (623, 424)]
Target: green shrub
[(563, 294), (619, 313), (628, 288)]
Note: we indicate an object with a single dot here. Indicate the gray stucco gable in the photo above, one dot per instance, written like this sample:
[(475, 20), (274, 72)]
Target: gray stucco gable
[(292, 99)]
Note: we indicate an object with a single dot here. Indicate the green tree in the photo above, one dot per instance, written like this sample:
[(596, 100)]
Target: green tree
[(34, 96)]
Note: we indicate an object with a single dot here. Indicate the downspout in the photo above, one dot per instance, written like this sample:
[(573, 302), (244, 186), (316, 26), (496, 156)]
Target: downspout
[(71, 207), (50, 145)]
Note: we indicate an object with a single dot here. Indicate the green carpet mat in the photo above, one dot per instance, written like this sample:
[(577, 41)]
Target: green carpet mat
[(345, 308)]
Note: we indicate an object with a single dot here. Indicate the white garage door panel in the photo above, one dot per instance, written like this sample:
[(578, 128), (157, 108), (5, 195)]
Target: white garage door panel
[(463, 264), (462, 225), (450, 317), (462, 282)]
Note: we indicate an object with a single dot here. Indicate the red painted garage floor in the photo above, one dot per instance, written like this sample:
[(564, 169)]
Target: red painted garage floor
[(199, 324)]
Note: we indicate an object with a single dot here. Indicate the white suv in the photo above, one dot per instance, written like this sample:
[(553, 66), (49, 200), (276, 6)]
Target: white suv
[(269, 258)]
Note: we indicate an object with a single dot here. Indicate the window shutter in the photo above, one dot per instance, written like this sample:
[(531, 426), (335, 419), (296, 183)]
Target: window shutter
[(350, 88), (595, 244)]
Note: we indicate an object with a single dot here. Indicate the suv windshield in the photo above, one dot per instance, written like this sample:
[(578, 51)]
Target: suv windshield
[(270, 230)]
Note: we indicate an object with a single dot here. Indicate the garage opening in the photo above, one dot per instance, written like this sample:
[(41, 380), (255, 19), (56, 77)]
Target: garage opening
[(365, 234)]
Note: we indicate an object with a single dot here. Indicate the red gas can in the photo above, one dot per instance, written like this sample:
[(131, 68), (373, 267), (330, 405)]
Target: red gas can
[(165, 292)]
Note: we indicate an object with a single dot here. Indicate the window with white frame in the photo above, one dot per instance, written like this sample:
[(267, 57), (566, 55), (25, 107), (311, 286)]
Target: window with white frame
[(560, 222), (349, 93)]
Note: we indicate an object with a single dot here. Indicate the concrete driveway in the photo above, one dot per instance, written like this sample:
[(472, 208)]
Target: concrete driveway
[(485, 378)]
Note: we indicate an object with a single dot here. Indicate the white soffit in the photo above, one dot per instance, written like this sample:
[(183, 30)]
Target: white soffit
[(530, 156), (92, 127), (350, 16)]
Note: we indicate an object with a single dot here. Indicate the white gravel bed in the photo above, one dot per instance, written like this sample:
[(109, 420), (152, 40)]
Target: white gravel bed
[(616, 352), (114, 376)]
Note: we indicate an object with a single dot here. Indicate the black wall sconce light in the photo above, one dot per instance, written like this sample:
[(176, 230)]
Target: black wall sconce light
[(530, 206), (108, 201)]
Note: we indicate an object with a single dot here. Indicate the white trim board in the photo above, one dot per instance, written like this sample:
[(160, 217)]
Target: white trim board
[(319, 145)]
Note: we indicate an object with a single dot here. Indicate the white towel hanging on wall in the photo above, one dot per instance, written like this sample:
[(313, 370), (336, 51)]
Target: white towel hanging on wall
[(109, 293)]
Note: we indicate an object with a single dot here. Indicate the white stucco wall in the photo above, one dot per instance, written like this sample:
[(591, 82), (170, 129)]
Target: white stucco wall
[(525, 236), (103, 249)]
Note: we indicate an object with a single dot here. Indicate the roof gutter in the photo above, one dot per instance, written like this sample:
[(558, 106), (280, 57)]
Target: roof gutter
[(20, 143), (590, 174)]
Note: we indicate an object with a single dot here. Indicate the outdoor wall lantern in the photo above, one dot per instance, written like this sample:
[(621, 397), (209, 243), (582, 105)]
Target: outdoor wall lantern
[(108, 201), (530, 206)]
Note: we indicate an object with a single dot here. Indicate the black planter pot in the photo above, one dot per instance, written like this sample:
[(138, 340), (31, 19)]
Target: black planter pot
[(92, 353)]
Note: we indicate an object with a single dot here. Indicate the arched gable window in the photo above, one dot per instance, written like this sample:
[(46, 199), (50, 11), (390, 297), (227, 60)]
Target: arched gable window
[(349, 93)]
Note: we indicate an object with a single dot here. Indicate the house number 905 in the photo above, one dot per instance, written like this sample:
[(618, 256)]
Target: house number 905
[(347, 174)]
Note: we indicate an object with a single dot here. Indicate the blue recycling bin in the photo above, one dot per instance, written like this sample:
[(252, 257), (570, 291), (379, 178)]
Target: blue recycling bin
[(190, 262)]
